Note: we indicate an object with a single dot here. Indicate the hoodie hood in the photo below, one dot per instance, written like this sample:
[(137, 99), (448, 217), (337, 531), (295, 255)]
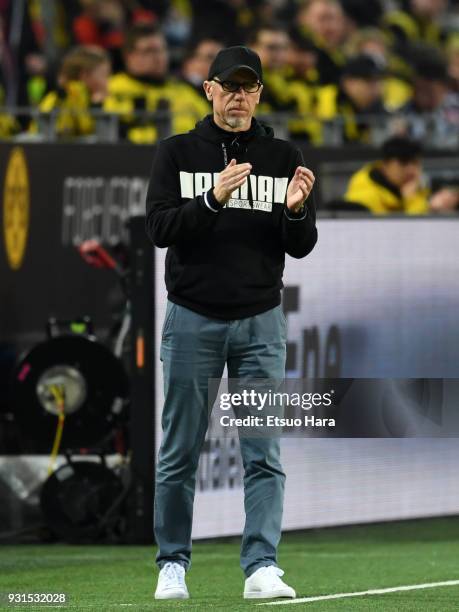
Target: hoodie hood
[(232, 144)]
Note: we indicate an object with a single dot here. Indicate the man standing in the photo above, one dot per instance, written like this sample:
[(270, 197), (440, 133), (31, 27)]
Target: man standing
[(228, 200)]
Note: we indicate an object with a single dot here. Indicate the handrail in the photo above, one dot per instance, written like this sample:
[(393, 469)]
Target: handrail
[(429, 127)]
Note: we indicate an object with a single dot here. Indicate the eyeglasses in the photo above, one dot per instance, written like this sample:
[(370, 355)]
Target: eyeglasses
[(232, 86)]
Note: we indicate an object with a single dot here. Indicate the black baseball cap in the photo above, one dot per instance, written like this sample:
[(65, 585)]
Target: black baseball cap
[(364, 67), (228, 60), (428, 63), (401, 148)]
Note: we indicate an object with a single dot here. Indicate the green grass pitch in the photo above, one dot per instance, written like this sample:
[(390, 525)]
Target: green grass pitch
[(316, 562)]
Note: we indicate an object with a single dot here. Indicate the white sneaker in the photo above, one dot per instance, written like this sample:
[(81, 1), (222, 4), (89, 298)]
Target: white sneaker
[(265, 582), (171, 582)]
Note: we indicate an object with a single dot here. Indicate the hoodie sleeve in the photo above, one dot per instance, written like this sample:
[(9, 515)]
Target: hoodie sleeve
[(168, 220), (299, 232)]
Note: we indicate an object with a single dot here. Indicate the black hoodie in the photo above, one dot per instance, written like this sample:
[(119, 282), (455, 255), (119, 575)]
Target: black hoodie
[(226, 262)]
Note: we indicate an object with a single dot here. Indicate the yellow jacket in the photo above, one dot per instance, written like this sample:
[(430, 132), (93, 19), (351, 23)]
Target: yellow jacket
[(329, 106), (128, 95), (369, 188), (397, 92), (412, 29), (72, 104), (9, 126), (285, 92)]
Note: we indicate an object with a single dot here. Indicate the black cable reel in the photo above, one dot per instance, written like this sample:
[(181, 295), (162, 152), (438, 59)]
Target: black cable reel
[(71, 394)]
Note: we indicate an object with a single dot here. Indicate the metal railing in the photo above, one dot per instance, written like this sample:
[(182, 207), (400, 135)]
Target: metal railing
[(433, 129)]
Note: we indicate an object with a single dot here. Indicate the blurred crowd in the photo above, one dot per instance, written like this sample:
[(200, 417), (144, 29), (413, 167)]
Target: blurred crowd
[(334, 70)]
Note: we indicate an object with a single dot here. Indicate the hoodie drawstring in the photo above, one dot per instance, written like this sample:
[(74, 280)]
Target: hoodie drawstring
[(225, 154), (236, 143)]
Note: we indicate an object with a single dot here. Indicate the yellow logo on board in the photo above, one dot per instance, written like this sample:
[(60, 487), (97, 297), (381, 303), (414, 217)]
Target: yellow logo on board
[(16, 203)]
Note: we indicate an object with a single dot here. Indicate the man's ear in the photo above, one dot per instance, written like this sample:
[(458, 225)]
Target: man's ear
[(259, 94), (207, 88)]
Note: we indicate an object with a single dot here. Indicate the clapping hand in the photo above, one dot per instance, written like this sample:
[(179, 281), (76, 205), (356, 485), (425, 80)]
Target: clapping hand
[(299, 188)]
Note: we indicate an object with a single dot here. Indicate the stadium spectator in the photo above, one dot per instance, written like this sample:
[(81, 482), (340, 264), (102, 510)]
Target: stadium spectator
[(176, 28), (393, 184), (145, 87), (104, 22), (397, 82), (417, 22), (101, 23), (433, 111), (82, 87), (357, 102), (229, 21), (363, 14), (272, 45), (283, 90), (431, 85), (302, 58), (322, 21), (28, 67), (196, 64), (310, 48)]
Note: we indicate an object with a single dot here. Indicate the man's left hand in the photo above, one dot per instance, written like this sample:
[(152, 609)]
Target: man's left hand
[(299, 188)]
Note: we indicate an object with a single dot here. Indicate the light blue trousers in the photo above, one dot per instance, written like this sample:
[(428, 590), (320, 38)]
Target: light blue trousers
[(195, 348)]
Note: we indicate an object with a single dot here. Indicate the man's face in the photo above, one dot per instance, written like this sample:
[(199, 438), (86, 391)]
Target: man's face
[(363, 92), (149, 57), (400, 173), (429, 95), (96, 79), (302, 60), (272, 47), (430, 9), (233, 109), (326, 20), (197, 67)]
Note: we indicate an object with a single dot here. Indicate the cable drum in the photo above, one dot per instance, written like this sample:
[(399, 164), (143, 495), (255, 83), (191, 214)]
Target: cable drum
[(72, 383), (75, 375)]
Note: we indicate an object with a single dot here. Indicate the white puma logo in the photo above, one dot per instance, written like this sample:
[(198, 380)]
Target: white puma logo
[(265, 189)]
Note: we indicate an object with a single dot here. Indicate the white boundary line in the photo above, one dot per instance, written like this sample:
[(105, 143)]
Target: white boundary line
[(410, 587)]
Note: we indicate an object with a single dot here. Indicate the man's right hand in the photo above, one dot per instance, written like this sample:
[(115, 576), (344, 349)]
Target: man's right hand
[(232, 177), (444, 200)]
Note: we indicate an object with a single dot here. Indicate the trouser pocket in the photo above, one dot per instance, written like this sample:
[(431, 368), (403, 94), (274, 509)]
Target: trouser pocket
[(168, 318)]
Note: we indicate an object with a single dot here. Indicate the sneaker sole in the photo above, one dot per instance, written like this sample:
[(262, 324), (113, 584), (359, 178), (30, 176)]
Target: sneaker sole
[(172, 595), (268, 594)]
